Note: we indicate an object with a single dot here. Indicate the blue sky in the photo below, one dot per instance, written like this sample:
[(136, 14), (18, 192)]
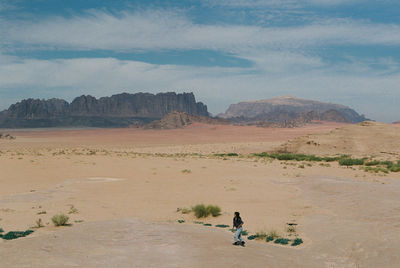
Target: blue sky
[(226, 51)]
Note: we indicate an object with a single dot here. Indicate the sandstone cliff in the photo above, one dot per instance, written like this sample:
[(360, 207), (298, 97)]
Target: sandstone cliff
[(115, 111)]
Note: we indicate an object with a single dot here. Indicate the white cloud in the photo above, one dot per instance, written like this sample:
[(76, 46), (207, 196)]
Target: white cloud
[(280, 65), (158, 30)]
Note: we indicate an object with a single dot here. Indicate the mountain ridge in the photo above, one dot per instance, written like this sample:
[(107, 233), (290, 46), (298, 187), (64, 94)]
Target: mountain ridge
[(118, 110)]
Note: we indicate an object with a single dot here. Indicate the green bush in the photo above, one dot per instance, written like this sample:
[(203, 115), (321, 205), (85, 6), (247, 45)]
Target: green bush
[(200, 211), (1, 230), (228, 154), (269, 239), (222, 226), (60, 220), (213, 210), (282, 241), (351, 161), (181, 221), (297, 242), (372, 163), (16, 234), (207, 224), (395, 168)]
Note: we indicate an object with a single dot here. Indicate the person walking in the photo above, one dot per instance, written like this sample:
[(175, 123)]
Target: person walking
[(238, 224)]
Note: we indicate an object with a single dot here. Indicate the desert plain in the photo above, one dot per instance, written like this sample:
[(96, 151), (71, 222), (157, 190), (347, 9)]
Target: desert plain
[(124, 191)]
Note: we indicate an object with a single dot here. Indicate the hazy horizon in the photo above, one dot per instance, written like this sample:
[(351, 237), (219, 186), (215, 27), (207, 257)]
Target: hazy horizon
[(225, 52)]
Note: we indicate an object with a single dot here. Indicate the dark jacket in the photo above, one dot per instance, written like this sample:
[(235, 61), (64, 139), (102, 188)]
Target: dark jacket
[(237, 221)]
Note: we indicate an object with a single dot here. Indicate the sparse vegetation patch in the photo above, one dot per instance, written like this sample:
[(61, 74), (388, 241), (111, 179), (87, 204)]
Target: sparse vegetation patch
[(282, 241), (16, 234), (297, 242), (60, 220), (201, 211)]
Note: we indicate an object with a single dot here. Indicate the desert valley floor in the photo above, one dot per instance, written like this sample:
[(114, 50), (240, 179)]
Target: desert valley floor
[(124, 189)]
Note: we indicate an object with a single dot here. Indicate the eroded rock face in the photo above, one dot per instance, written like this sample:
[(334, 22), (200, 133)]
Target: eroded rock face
[(287, 108), (117, 110), (181, 119)]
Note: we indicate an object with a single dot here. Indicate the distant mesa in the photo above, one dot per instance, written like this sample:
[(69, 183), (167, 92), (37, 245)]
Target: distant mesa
[(180, 120), (397, 122), (289, 111), (119, 110)]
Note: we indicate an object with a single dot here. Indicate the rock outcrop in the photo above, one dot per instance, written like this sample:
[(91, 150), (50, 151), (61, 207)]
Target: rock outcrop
[(288, 108), (180, 120), (116, 111), (6, 137)]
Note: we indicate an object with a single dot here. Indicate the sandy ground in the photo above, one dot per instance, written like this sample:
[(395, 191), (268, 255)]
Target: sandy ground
[(127, 184), (379, 140)]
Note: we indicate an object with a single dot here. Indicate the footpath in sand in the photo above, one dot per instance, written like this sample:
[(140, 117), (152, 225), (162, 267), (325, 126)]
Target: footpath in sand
[(127, 197)]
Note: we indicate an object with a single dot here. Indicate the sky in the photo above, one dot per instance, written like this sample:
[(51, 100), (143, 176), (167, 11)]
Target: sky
[(226, 51)]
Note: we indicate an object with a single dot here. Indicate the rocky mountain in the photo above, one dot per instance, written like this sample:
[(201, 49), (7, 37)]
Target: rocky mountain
[(288, 109), (116, 111), (180, 120)]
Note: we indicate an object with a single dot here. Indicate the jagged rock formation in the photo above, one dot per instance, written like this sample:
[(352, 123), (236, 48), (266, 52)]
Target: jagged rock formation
[(290, 109), (6, 137), (180, 120), (115, 111)]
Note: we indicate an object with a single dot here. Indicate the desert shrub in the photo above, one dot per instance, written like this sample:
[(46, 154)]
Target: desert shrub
[(200, 211), (1, 230), (181, 221), (388, 164), (228, 154), (297, 242), (395, 168), (207, 224), (198, 222), (372, 163), (222, 226), (260, 235), (213, 210), (60, 220), (186, 210), (351, 161), (72, 210), (269, 238), (282, 241), (264, 154), (16, 234), (187, 171), (273, 233), (291, 229), (39, 223), (376, 169), (301, 166)]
